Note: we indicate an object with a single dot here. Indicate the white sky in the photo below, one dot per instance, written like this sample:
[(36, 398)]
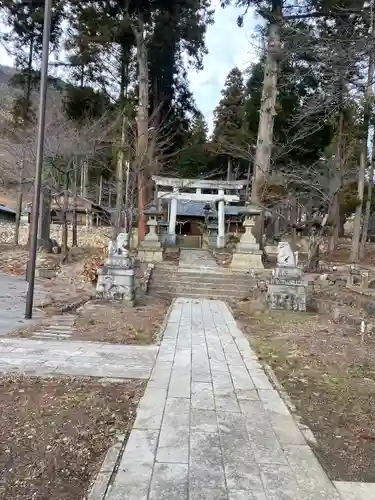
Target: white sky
[(228, 46)]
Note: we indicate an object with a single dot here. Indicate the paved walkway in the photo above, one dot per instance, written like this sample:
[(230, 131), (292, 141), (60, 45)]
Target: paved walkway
[(75, 358), (210, 426), (12, 303)]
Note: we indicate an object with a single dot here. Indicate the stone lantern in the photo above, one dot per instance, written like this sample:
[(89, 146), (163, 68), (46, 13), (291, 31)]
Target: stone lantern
[(247, 254), (150, 249)]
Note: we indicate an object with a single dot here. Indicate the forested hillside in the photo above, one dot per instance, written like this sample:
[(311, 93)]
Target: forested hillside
[(298, 122)]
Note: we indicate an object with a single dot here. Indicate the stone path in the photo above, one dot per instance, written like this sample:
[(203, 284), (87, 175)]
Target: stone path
[(12, 303), (60, 328), (194, 260), (210, 426), (76, 358)]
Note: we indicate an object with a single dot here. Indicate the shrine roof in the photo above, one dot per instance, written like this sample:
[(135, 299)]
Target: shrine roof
[(198, 183), (192, 208), (196, 209)]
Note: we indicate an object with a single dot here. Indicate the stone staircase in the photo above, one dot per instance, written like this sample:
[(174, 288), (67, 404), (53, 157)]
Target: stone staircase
[(60, 328), (190, 280)]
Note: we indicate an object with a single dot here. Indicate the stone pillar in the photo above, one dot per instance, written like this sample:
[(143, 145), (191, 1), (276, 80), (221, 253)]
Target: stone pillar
[(221, 222), (171, 239)]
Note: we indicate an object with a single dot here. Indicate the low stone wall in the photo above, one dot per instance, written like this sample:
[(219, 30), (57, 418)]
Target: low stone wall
[(92, 236)]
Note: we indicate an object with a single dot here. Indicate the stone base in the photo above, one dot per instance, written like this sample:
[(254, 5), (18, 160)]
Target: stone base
[(220, 241), (150, 245), (271, 250), (287, 297), (45, 273), (247, 261), (171, 239), (150, 255), (116, 283), (287, 290)]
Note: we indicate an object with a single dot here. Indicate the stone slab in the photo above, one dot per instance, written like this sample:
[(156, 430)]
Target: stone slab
[(77, 358), (230, 437)]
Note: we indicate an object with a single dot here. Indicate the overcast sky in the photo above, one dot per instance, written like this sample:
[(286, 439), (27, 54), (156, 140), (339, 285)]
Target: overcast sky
[(228, 46)]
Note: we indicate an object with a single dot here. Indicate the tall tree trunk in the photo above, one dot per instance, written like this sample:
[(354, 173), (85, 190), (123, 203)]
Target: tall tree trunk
[(120, 178), (85, 187), (142, 124), (334, 220), (268, 102), (44, 224), (100, 195), (26, 107), (74, 204), (65, 218), (110, 193), (367, 214), (229, 169), (19, 199), (366, 218), (293, 220), (128, 206), (356, 238)]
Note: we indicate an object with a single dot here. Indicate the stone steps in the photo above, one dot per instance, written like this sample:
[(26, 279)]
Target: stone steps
[(200, 281), (174, 283), (198, 295), (183, 290), (61, 328), (197, 278)]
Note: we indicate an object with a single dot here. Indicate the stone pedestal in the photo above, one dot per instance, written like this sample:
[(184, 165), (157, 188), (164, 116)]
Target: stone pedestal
[(44, 268), (116, 279), (150, 250), (247, 254), (287, 290)]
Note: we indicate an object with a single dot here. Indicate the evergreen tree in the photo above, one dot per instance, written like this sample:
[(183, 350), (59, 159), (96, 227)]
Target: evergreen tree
[(25, 18), (229, 120), (228, 115), (194, 159)]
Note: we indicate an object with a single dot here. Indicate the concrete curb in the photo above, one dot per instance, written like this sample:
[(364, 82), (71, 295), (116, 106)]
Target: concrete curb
[(159, 336), (108, 470), (305, 430)]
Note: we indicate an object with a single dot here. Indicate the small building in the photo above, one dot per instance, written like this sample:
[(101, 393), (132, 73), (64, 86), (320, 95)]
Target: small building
[(7, 214), (87, 212)]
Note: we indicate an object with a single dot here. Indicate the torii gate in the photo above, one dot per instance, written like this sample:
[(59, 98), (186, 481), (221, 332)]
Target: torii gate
[(179, 185)]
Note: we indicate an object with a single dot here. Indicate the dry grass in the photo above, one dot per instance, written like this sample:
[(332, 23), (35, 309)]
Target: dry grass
[(55, 432), (330, 377), (119, 323)]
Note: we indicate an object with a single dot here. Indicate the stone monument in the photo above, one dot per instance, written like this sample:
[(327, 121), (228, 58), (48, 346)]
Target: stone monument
[(286, 288), (247, 254), (116, 279), (150, 249)]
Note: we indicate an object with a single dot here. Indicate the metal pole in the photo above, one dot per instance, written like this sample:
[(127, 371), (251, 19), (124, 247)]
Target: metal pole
[(39, 157)]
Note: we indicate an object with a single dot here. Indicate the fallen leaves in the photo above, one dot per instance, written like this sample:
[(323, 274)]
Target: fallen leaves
[(55, 433), (119, 323)]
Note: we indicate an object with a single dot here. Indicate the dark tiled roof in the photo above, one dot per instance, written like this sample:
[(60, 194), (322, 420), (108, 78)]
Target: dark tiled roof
[(192, 208), (196, 209), (7, 210)]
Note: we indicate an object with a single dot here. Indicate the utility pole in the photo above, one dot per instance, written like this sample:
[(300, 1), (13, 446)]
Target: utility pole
[(39, 158)]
